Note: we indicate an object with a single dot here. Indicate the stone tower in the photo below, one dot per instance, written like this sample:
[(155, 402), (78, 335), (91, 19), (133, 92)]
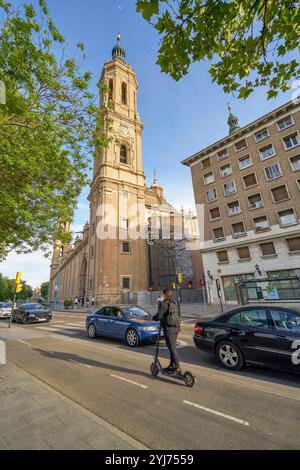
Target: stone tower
[(117, 260)]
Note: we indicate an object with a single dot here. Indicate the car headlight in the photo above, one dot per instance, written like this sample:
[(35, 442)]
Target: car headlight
[(149, 328)]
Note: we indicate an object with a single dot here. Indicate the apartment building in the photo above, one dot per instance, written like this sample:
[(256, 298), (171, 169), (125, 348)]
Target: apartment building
[(249, 186)]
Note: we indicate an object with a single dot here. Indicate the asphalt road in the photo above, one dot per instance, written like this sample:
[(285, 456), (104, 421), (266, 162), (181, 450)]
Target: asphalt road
[(251, 409)]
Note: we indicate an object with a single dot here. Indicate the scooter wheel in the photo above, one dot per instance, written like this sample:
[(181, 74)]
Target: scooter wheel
[(154, 369), (189, 379)]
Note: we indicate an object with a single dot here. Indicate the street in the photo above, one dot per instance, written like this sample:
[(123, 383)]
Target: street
[(224, 410)]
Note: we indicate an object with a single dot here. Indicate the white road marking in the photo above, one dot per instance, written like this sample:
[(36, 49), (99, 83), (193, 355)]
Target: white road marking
[(179, 345), (80, 363), (76, 324), (218, 413), (24, 342), (60, 329), (129, 381)]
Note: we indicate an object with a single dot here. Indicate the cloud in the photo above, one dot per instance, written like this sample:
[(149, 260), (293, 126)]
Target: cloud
[(35, 267)]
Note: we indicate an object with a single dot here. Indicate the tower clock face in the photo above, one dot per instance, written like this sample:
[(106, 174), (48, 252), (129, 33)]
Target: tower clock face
[(124, 130)]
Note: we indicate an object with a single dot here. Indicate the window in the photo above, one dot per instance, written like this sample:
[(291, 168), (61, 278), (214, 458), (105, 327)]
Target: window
[(280, 193), (110, 89), (125, 282), (241, 145), (267, 249), (211, 195), (255, 201), (261, 224), (273, 171), (235, 319), (92, 251), (124, 93), (225, 170), (245, 162), (291, 141), (209, 178), (261, 135), (257, 318), (234, 208), (206, 163), (218, 234), (287, 217), (267, 152), (243, 253), (284, 123), (215, 213), (125, 223), (222, 256), (125, 247), (295, 163), (229, 188), (123, 154), (286, 320), (249, 180), (238, 229), (294, 244), (222, 154)]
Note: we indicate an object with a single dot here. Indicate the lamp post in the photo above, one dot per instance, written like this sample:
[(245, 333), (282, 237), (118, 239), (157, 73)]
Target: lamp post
[(57, 287)]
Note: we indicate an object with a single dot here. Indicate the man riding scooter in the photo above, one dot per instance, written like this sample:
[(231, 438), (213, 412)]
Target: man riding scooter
[(170, 323)]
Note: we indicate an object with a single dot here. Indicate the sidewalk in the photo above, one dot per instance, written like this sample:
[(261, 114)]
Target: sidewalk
[(187, 310), (35, 416)]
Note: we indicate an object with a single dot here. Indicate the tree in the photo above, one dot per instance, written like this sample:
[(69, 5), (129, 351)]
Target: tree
[(7, 289), (249, 43), (45, 290), (6, 292), (47, 129)]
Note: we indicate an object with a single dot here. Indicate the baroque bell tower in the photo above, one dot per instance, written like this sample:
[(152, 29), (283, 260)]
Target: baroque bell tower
[(118, 253)]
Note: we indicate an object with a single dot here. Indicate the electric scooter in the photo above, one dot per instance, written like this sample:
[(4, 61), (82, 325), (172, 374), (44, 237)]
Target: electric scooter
[(156, 368)]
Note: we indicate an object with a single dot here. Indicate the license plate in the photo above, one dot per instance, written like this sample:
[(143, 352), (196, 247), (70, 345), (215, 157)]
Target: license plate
[(41, 319)]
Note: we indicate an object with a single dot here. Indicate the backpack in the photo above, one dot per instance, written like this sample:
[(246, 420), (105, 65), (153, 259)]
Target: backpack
[(171, 316)]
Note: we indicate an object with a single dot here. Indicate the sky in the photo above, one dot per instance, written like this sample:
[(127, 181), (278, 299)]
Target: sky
[(180, 118)]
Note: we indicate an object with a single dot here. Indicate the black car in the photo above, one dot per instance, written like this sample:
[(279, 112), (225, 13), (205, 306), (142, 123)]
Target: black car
[(261, 335), (31, 313)]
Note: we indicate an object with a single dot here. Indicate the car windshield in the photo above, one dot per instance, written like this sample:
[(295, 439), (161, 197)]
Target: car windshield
[(131, 312), (32, 306)]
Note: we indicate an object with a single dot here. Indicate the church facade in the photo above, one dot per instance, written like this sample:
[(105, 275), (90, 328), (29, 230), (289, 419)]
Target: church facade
[(114, 254)]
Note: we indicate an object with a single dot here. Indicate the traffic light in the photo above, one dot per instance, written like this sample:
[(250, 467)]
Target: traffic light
[(18, 282), (180, 278), (174, 285)]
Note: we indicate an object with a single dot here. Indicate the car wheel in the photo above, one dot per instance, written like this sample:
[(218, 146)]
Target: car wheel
[(229, 355), (132, 338), (24, 321), (92, 332)]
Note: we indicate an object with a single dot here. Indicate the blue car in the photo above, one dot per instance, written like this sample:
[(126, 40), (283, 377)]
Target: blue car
[(132, 324)]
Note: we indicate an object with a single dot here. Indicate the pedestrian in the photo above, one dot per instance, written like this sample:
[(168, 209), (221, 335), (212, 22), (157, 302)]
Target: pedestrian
[(159, 299), (87, 302), (93, 301), (169, 318), (82, 301), (76, 302)]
